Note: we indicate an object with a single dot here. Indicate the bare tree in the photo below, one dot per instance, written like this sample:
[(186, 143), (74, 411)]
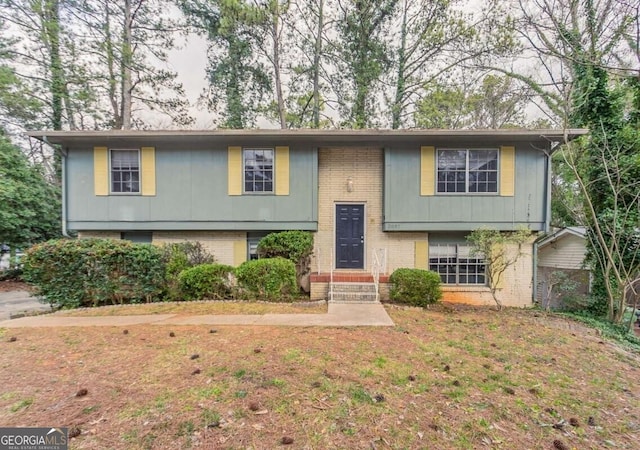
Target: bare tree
[(500, 251)]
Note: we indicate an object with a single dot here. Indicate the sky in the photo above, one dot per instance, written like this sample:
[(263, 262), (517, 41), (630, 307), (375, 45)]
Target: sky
[(190, 62)]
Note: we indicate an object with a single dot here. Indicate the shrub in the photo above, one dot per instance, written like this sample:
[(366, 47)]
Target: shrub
[(179, 256), (210, 281), (268, 279), (415, 287), (93, 272), (296, 246)]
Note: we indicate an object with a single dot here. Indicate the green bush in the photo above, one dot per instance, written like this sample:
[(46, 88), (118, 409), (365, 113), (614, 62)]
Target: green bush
[(206, 281), (415, 287), (179, 256), (94, 272), (268, 279), (296, 246)]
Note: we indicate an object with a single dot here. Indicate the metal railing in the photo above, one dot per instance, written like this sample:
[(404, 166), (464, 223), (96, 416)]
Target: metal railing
[(331, 277), (378, 266)]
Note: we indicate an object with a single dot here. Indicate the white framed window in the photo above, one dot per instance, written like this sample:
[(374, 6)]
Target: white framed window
[(467, 171), (253, 239), (257, 165), (125, 171), (456, 265)]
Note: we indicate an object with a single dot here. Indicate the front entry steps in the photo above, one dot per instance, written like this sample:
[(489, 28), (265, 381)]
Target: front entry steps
[(353, 292)]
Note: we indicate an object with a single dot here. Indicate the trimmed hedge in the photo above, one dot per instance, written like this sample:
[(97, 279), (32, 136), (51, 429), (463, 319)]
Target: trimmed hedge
[(294, 245), (94, 272), (270, 279), (206, 281), (179, 256), (415, 287)]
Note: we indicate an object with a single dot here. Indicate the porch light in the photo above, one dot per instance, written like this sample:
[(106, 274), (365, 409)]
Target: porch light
[(349, 184)]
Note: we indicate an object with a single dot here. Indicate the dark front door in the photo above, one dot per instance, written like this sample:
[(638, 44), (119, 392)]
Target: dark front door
[(349, 236)]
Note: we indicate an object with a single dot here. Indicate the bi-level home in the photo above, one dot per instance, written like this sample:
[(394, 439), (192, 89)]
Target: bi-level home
[(376, 200)]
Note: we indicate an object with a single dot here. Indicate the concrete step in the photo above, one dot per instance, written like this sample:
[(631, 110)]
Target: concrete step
[(354, 287), (353, 293)]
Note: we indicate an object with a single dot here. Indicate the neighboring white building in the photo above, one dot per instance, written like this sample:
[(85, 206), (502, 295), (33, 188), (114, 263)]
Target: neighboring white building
[(561, 256)]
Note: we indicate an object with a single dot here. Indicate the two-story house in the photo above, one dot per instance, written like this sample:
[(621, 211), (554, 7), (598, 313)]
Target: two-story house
[(376, 200)]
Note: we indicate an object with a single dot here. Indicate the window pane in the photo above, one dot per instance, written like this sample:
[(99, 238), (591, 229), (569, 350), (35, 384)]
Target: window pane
[(125, 171), (258, 170), (456, 264), (451, 170), (483, 170)]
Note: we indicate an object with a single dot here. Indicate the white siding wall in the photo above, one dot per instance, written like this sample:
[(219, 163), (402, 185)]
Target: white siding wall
[(566, 253)]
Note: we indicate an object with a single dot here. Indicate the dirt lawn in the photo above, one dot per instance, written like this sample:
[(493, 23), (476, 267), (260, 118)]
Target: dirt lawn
[(445, 378)]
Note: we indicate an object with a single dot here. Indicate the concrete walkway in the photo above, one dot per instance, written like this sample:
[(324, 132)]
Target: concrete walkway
[(339, 314), (15, 303)]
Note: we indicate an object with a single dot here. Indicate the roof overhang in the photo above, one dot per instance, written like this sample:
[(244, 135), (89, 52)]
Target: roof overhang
[(544, 138), (562, 233)]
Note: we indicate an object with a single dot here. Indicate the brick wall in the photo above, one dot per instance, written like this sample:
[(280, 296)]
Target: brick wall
[(99, 234), (221, 244), (517, 284)]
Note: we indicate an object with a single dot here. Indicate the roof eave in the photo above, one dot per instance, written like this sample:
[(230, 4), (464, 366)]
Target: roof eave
[(328, 136)]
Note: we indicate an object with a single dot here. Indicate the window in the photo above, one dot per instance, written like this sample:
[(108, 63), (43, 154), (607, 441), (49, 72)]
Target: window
[(258, 170), (140, 237), (125, 171), (253, 238), (465, 171), (456, 265)]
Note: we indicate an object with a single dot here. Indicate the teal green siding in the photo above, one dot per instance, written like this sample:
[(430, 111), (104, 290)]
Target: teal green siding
[(192, 195), (406, 210)]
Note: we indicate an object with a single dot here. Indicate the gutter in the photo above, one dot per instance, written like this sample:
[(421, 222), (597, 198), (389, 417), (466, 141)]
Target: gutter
[(63, 186)]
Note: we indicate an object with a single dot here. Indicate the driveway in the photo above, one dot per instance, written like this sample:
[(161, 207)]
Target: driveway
[(16, 303)]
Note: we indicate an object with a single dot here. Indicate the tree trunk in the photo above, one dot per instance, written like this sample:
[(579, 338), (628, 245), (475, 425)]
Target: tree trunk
[(396, 109), (276, 66), (112, 90), (126, 67), (316, 66), (51, 22)]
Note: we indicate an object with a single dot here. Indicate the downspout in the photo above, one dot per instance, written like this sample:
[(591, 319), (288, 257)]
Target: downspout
[(547, 213), (547, 220), (535, 270), (63, 186)]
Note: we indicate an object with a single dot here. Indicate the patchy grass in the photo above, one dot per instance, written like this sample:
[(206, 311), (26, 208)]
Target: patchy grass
[(200, 308), (443, 378)]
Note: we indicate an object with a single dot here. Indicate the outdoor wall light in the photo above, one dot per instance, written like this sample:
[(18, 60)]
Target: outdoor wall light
[(349, 184)]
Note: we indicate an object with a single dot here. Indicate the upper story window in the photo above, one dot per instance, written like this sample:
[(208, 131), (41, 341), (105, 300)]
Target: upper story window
[(258, 170), (125, 171), (467, 170), (456, 264)]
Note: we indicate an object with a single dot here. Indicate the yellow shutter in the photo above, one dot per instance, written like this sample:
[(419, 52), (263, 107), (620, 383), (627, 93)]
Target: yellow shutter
[(427, 170), (421, 255), (507, 171), (101, 170), (235, 171), (148, 170), (239, 252), (282, 170)]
